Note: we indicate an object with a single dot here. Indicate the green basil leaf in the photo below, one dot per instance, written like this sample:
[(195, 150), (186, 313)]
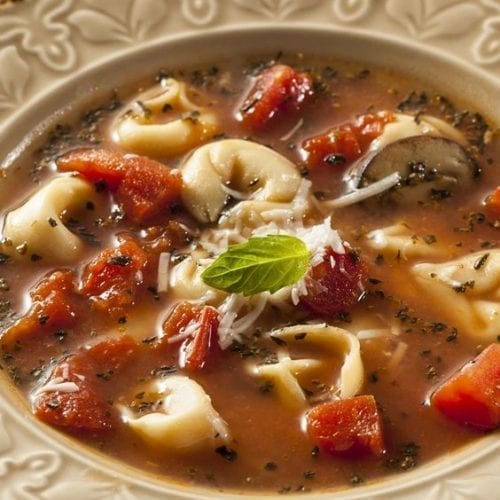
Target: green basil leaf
[(265, 263)]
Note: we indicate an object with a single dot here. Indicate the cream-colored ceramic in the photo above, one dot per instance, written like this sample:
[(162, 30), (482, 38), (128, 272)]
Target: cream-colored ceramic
[(54, 54)]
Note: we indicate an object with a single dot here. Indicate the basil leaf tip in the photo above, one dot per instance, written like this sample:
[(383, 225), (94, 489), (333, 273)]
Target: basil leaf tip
[(263, 263)]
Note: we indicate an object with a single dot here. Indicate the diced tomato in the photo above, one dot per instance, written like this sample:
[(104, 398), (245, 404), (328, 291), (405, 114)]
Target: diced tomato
[(471, 397), (55, 306), (148, 189), (493, 203), (349, 428), (145, 188), (334, 285), (179, 318), (339, 146), (112, 278), (343, 144), (370, 125), (164, 238), (196, 350), (86, 408), (112, 355), (277, 90), (82, 410), (201, 344), (97, 165)]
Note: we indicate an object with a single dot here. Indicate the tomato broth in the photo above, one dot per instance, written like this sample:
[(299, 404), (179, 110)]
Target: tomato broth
[(103, 331)]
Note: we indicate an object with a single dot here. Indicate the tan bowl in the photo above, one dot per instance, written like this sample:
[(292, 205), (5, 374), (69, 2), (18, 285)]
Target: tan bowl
[(34, 457)]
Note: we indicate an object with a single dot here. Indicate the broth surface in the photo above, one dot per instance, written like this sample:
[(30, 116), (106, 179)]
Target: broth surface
[(269, 450)]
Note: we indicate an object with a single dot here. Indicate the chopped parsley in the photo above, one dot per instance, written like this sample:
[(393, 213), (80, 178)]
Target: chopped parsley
[(270, 466), (481, 261), (227, 453), (120, 260)]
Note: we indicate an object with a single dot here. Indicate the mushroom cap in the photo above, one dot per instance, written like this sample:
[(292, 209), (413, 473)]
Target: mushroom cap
[(429, 167)]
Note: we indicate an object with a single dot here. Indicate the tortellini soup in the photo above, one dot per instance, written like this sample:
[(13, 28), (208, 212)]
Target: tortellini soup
[(275, 275)]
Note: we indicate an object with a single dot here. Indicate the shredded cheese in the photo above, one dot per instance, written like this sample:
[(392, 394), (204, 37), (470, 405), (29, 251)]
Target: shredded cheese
[(318, 238), (373, 333), (58, 384), (237, 195), (297, 290), (245, 322), (163, 268), (364, 193), (189, 330), (231, 328), (397, 356), (293, 130)]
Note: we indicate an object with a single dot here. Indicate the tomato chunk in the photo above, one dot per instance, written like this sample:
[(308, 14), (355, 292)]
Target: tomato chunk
[(179, 318), (370, 125), (97, 165), (343, 144), (335, 284), (338, 146), (148, 189), (471, 397), (54, 306), (349, 428), (145, 188), (112, 355), (277, 90), (112, 278), (196, 351), (83, 405), (493, 203), (201, 344)]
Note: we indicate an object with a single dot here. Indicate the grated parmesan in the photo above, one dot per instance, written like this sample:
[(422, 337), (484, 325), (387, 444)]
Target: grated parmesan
[(163, 269), (364, 193), (237, 195), (397, 356), (318, 238), (231, 328), (373, 333), (293, 130), (187, 331), (58, 384), (297, 290)]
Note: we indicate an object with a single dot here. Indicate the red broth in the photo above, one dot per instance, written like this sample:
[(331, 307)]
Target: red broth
[(411, 347)]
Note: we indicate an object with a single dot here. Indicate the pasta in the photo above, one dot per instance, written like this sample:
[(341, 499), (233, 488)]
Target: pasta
[(467, 293), (406, 126), (37, 227), (286, 372), (399, 240), (187, 419), (246, 167), (138, 131), (186, 283)]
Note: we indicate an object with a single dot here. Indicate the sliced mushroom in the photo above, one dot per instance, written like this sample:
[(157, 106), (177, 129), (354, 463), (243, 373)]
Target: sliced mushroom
[(429, 168)]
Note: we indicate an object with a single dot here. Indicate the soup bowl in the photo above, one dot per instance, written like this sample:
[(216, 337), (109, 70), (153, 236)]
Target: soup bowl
[(37, 459)]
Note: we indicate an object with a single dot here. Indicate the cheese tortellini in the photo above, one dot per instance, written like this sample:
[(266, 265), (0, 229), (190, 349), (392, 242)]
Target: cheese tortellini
[(407, 126), (287, 372), (182, 419), (37, 226), (185, 283), (218, 169), (138, 130), (467, 290), (400, 240)]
